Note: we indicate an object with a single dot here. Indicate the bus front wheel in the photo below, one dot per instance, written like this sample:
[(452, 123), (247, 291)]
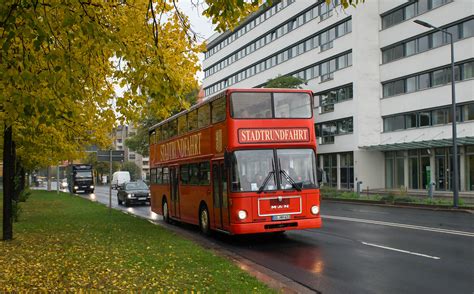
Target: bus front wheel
[(204, 220)]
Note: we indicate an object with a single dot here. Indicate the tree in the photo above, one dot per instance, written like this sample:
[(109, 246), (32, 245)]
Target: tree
[(140, 142), (133, 169), (61, 60), (284, 82)]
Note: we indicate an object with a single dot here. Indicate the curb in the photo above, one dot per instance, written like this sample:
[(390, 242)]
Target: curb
[(400, 205)]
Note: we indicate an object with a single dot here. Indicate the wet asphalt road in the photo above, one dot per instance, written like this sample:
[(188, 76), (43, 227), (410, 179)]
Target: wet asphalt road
[(361, 249)]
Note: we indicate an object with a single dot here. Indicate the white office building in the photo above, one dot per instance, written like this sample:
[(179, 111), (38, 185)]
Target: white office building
[(381, 83)]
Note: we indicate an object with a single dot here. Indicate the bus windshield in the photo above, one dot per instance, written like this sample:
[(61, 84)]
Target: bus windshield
[(271, 105), (295, 169), (250, 169), (84, 174)]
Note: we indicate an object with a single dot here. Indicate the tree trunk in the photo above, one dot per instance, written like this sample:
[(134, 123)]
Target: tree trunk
[(8, 182)]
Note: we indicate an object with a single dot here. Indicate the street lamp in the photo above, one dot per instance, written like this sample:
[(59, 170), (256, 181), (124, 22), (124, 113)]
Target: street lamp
[(454, 117)]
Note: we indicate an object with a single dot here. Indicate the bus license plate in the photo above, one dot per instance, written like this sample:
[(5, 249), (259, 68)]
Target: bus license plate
[(280, 217)]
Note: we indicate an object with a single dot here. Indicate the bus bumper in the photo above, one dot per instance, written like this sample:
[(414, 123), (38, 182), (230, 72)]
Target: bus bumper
[(268, 227)]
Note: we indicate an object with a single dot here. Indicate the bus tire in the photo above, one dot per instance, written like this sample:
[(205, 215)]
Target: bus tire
[(204, 220), (166, 212)]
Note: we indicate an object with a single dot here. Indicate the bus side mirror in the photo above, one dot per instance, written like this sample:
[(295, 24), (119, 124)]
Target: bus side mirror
[(226, 159), (319, 173)]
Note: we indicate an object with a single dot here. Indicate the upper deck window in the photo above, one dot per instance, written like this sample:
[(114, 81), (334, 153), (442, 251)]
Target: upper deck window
[(271, 105)]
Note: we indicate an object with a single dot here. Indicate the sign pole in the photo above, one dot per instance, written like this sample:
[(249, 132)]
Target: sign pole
[(110, 181)]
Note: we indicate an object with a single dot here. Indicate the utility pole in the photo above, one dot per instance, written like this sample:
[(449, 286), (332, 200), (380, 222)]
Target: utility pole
[(455, 179)]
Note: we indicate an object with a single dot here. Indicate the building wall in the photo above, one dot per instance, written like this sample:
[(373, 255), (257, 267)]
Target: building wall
[(368, 73)]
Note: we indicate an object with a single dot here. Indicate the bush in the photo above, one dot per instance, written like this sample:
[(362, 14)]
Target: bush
[(24, 195)]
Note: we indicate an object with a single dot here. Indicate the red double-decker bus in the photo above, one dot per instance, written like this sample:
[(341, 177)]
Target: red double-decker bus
[(242, 162)]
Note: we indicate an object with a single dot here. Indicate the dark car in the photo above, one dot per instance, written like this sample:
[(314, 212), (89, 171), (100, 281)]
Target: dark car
[(133, 193)]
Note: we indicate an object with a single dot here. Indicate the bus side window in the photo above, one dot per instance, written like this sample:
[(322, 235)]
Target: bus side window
[(158, 134), (204, 116), (204, 173), (173, 128), (184, 170), (182, 125), (159, 175), (194, 174), (218, 110), (164, 132), (192, 120), (166, 175)]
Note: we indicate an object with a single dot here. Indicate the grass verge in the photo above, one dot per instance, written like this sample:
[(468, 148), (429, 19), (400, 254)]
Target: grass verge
[(65, 243)]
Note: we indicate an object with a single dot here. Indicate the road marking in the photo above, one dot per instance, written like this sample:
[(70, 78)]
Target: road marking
[(400, 250), (398, 225)]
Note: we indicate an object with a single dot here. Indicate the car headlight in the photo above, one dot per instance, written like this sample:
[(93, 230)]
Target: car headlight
[(149, 194), (129, 195), (92, 187), (315, 209), (242, 214), (76, 187)]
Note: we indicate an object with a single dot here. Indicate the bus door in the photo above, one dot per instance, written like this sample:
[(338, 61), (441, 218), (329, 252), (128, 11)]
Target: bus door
[(220, 195), (174, 191)]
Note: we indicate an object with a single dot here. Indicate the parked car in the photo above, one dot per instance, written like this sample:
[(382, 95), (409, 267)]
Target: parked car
[(119, 178), (133, 193), (63, 184)]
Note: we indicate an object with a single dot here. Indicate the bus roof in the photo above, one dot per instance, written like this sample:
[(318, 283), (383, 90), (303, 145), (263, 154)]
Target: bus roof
[(225, 93)]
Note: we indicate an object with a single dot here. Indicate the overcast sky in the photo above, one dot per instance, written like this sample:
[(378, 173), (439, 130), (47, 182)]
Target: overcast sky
[(199, 24)]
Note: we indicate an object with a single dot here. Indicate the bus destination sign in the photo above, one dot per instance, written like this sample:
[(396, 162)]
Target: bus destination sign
[(277, 135)]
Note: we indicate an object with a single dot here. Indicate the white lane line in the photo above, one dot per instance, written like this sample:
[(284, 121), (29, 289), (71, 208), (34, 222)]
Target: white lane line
[(400, 250), (398, 225)]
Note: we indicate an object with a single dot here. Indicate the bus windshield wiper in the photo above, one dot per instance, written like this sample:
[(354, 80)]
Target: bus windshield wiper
[(290, 180), (264, 184), (260, 189)]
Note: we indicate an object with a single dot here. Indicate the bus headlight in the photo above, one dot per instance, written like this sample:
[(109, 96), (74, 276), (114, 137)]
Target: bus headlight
[(315, 209), (242, 214)]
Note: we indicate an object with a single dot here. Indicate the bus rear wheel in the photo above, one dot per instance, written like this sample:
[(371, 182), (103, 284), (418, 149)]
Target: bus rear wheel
[(166, 216), (204, 221)]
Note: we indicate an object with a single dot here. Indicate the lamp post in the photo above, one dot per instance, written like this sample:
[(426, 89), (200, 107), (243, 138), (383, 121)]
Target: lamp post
[(454, 117)]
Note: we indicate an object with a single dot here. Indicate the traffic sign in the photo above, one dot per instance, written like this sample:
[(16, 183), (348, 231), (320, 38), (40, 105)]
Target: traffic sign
[(105, 155)]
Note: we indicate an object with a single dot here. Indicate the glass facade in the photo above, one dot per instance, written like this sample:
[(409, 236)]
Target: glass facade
[(420, 170), (330, 169)]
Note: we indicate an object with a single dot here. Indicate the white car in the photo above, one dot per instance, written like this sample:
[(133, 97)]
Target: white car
[(119, 178)]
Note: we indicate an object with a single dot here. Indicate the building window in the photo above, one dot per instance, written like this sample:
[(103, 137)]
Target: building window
[(470, 168), (420, 44), (411, 10), (434, 78), (131, 156), (394, 170), (424, 118), (347, 170), (327, 36), (264, 16), (327, 130), (330, 169)]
